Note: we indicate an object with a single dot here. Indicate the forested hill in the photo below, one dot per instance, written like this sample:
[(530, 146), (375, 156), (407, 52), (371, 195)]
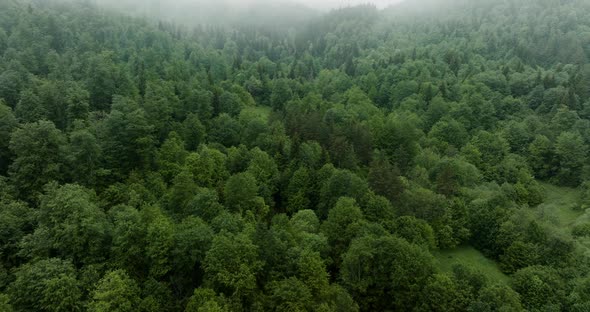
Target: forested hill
[(323, 166)]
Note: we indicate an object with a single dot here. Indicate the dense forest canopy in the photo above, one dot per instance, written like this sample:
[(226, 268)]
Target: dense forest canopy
[(331, 162)]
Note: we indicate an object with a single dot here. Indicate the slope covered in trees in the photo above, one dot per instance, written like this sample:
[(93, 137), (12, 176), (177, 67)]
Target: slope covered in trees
[(147, 166)]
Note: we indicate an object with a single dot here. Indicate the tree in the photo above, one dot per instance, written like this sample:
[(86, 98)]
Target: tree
[(115, 292), (159, 242), (5, 303), (539, 287), (281, 94), (497, 298), (342, 226), (78, 103), (30, 109), (205, 205), (7, 124), (208, 167), (205, 299), (193, 133), (105, 80), (241, 191), (71, 225), (449, 132), (46, 285), (290, 295), (171, 156), (264, 169), (541, 157), (341, 183), (442, 294), (128, 240), (84, 156), (16, 219), (224, 130), (398, 137), (384, 178), (572, 153), (159, 103), (126, 136), (38, 157), (385, 272), (192, 239), (520, 255), (232, 264), (485, 151), (299, 191), (415, 231)]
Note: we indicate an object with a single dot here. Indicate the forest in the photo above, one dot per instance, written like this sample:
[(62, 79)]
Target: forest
[(431, 156)]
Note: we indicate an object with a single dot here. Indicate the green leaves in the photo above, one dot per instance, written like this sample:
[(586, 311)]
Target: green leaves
[(232, 264), (46, 285), (38, 157), (70, 225), (572, 154), (385, 272), (115, 292)]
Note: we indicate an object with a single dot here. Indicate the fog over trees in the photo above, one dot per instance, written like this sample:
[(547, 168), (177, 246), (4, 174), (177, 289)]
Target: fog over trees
[(433, 155)]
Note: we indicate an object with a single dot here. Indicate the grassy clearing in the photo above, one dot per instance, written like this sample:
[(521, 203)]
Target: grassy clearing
[(471, 257), (561, 207), (256, 111)]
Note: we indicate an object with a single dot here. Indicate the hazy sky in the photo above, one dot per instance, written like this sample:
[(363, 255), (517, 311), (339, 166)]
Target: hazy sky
[(327, 4), (316, 4)]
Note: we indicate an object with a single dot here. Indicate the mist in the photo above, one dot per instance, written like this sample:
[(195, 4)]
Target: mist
[(321, 5), (211, 12), (333, 4)]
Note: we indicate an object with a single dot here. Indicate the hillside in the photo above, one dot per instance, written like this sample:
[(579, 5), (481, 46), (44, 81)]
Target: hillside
[(433, 156)]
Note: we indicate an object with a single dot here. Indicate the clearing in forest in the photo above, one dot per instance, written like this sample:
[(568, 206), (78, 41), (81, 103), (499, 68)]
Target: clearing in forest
[(471, 257)]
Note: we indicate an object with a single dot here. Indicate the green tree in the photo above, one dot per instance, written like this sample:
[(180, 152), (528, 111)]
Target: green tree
[(192, 239), (341, 183), (290, 295), (159, 242), (384, 178), (415, 231), (8, 123), (539, 288), (241, 190), (343, 224), (385, 272), (541, 157), (5, 303), (46, 285), (232, 264), (116, 292), (572, 153), (398, 138), (126, 136), (497, 298), (204, 299), (266, 172), (83, 155), (128, 240), (441, 293), (38, 157), (16, 218), (208, 167), (171, 156), (71, 225), (30, 108), (193, 132)]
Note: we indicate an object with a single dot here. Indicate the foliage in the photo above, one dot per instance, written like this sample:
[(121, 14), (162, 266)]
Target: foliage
[(433, 156)]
